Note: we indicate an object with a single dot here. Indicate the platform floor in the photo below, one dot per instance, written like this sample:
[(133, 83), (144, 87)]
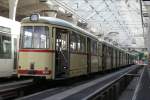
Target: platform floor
[(142, 91), (139, 88), (129, 91)]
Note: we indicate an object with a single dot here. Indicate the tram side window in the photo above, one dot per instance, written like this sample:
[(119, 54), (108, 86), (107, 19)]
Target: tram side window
[(83, 44), (107, 51), (5, 47), (62, 37), (100, 49), (103, 49), (94, 47), (77, 43), (110, 50), (15, 52), (73, 42)]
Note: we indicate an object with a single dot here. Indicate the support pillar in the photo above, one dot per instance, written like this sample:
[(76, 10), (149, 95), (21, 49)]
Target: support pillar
[(12, 9)]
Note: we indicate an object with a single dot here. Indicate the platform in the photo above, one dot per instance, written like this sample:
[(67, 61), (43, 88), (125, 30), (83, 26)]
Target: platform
[(81, 91), (143, 87)]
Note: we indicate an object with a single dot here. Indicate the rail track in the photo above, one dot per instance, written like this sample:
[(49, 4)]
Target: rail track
[(14, 89)]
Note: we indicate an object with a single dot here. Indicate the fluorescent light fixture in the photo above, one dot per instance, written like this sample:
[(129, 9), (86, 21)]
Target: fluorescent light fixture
[(43, 0), (62, 9)]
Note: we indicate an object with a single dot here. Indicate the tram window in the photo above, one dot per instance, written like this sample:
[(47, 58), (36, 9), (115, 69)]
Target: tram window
[(35, 37), (94, 47), (61, 39), (40, 37), (100, 49), (5, 47), (15, 52), (64, 42), (27, 37), (109, 50), (83, 44), (73, 42), (78, 43)]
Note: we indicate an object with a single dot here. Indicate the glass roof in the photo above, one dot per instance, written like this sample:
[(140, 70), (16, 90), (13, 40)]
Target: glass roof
[(116, 20)]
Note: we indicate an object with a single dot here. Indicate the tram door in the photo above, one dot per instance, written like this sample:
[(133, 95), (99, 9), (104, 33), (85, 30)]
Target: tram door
[(61, 53), (89, 55)]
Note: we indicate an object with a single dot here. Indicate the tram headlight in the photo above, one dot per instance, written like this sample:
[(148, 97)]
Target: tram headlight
[(34, 17)]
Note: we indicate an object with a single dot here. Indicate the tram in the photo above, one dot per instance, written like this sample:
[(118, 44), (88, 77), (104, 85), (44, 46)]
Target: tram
[(9, 45), (56, 49)]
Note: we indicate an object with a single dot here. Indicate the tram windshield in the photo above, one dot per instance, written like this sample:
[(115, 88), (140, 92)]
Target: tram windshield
[(35, 37)]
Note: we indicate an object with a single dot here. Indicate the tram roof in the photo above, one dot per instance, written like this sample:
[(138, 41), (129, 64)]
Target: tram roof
[(59, 22), (111, 45)]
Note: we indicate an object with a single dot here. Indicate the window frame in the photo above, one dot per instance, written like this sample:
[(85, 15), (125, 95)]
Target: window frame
[(78, 39), (48, 41), (6, 35), (94, 47)]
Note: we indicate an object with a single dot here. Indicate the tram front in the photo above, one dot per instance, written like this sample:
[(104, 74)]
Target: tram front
[(35, 53)]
